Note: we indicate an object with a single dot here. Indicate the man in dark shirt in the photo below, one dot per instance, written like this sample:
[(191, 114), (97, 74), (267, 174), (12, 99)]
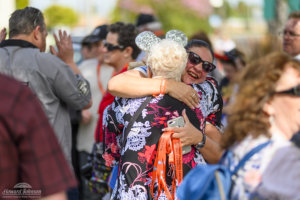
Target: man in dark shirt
[(31, 158)]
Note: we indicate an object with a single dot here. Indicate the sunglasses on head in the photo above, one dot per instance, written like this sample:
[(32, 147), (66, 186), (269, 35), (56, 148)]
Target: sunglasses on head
[(294, 91), (195, 59), (111, 47)]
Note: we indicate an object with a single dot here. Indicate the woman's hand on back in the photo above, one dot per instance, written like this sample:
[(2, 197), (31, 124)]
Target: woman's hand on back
[(182, 92)]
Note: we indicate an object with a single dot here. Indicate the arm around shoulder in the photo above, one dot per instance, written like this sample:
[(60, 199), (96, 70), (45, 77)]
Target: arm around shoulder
[(133, 84)]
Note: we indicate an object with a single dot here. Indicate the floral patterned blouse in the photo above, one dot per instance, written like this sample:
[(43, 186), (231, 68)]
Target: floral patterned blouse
[(136, 158)]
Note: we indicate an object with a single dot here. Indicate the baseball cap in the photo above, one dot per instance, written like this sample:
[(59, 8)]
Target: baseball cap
[(99, 33), (149, 22)]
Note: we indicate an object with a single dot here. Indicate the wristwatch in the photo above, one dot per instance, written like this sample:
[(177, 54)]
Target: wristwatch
[(202, 143)]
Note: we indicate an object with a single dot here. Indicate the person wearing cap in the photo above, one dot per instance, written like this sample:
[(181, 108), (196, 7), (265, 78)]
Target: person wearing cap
[(233, 62), (147, 22), (98, 74)]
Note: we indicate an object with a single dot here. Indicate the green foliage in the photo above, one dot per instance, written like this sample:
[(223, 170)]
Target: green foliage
[(226, 11), (122, 15), (171, 14), (20, 4), (58, 15)]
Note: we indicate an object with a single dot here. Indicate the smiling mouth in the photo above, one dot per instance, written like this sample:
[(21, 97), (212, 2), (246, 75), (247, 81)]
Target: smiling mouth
[(193, 75)]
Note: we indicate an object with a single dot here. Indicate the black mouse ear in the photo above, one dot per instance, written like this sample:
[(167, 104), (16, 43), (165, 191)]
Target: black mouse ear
[(145, 40)]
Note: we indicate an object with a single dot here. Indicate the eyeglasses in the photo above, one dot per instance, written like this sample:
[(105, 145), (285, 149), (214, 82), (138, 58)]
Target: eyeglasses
[(295, 91), (289, 33), (196, 59), (111, 47)]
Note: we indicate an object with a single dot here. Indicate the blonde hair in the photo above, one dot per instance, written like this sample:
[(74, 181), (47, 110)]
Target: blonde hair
[(257, 84), (167, 59)]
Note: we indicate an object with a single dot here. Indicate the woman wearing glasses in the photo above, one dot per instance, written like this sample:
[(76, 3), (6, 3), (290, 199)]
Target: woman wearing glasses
[(134, 83), (266, 108)]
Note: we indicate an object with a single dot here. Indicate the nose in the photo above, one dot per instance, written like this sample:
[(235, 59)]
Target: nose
[(104, 49), (286, 35), (198, 67)]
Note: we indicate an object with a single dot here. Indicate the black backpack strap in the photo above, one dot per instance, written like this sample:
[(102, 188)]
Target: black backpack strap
[(133, 119)]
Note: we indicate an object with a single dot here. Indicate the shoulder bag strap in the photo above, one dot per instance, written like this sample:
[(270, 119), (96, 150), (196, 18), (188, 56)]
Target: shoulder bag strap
[(133, 119), (243, 161), (249, 155)]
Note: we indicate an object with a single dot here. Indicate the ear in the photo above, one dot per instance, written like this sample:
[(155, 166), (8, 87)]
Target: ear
[(36, 32), (128, 52), (268, 108), (149, 72)]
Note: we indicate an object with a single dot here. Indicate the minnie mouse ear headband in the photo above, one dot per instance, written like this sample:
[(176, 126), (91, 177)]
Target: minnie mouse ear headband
[(145, 40)]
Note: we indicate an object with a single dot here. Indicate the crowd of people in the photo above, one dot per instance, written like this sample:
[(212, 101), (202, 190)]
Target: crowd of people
[(95, 131)]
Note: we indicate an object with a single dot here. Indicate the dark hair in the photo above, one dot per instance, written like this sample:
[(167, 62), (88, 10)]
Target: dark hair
[(232, 56), (143, 19), (201, 35), (126, 36), (295, 14), (24, 21), (200, 43)]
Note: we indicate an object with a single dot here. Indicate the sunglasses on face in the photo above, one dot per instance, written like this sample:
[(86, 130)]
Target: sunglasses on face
[(295, 91), (289, 33), (111, 47), (195, 59)]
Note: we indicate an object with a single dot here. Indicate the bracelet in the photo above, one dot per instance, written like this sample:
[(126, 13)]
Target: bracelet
[(202, 143), (162, 88)]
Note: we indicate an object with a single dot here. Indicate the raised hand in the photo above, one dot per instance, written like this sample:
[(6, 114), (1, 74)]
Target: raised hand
[(3, 34), (64, 47)]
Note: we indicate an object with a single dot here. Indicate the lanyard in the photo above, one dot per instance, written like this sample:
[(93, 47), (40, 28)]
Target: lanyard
[(102, 90), (171, 147)]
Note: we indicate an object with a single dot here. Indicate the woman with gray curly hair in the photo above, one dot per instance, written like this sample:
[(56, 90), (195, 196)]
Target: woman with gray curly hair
[(135, 153)]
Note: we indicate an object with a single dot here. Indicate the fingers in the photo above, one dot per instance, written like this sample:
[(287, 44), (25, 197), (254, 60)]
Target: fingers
[(3, 34), (189, 102), (186, 119), (174, 129), (191, 98), (194, 98), (52, 50), (183, 140), (56, 40)]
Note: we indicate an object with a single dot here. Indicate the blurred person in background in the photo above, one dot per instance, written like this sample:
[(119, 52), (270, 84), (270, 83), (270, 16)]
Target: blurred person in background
[(55, 79), (119, 50), (232, 62), (146, 22), (30, 153), (266, 109), (291, 35), (291, 39), (98, 74)]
